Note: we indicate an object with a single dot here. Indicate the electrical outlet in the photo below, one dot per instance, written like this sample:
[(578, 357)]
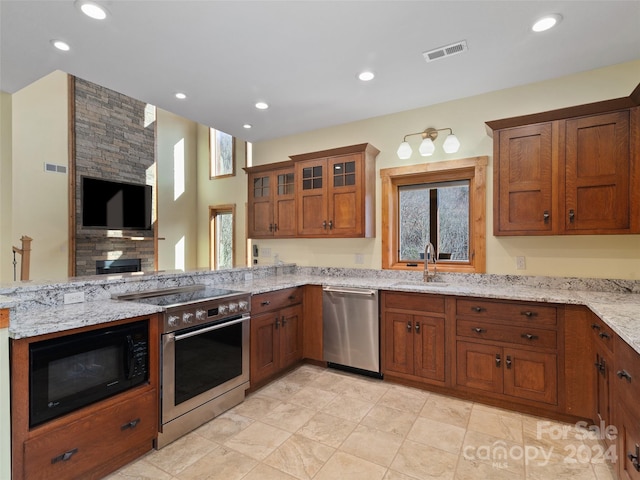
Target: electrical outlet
[(248, 277), (520, 263), (76, 297), (359, 259)]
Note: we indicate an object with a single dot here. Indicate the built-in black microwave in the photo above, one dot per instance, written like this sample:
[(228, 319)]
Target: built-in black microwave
[(67, 373)]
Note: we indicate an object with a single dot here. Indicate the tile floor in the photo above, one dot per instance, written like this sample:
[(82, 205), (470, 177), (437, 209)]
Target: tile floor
[(322, 424)]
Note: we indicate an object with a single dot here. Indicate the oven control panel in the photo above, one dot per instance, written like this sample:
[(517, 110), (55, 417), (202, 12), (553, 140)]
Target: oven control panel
[(205, 311)]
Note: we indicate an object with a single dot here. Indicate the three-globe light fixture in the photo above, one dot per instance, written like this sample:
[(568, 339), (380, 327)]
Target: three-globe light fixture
[(451, 143)]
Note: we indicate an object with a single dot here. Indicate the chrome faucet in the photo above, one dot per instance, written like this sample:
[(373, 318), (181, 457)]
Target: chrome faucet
[(429, 256)]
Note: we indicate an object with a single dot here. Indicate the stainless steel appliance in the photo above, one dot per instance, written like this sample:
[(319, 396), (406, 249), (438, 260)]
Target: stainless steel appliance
[(351, 328), (205, 355), (67, 373)]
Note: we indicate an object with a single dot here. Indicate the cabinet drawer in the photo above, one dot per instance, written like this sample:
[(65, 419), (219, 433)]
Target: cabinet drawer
[(501, 333), (266, 302), (420, 302), (602, 334), (76, 448), (627, 375), (520, 313)]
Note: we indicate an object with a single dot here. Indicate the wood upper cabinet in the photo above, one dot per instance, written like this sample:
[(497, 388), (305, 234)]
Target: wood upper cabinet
[(272, 205), (335, 192), (577, 173), (523, 192), (597, 173)]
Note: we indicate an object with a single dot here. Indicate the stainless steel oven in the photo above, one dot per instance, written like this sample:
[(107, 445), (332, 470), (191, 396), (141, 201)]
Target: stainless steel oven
[(204, 355)]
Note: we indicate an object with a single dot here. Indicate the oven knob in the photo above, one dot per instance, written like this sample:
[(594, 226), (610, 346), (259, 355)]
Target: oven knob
[(187, 317), (243, 305), (201, 314), (173, 321), (222, 309), (233, 307)]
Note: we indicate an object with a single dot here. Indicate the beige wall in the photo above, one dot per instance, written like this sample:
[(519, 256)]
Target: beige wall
[(613, 256), (6, 255), (177, 191), (40, 199), (220, 191)]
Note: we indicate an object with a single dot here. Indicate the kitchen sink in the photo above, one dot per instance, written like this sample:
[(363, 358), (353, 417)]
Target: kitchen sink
[(420, 284)]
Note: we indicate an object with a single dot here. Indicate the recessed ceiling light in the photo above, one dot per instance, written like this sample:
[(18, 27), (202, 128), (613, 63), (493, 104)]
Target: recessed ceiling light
[(180, 96), (262, 106), (60, 45), (93, 10), (366, 76), (247, 126), (547, 22)]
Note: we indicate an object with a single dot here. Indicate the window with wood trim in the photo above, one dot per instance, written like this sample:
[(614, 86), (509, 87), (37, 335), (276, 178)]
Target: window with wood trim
[(222, 236), (441, 202)]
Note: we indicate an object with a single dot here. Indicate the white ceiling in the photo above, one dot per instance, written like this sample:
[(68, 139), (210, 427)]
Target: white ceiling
[(302, 57)]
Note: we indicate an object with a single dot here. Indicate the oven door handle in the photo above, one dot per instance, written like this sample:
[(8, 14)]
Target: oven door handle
[(217, 326)]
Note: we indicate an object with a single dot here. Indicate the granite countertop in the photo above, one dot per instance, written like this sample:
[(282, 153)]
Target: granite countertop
[(621, 311)]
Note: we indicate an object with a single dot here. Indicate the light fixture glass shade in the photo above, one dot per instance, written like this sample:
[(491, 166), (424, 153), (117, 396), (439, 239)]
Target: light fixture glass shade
[(451, 144), (404, 151), (426, 147)]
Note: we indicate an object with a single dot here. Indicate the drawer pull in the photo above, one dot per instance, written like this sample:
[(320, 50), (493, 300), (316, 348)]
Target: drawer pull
[(478, 330), (528, 336), (624, 374), (498, 360), (131, 424), (65, 456), (265, 303), (595, 326), (528, 314), (292, 297), (604, 335), (477, 309), (635, 459)]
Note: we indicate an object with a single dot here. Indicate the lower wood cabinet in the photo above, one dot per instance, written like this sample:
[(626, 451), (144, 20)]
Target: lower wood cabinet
[(93, 441), (276, 334), (510, 371), (414, 337)]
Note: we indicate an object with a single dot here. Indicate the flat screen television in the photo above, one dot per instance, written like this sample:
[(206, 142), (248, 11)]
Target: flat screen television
[(115, 205)]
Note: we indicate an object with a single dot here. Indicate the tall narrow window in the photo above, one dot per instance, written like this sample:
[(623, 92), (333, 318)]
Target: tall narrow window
[(222, 148), (222, 236)]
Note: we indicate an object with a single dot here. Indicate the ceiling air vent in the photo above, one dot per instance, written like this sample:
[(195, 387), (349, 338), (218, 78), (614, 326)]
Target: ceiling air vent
[(447, 51)]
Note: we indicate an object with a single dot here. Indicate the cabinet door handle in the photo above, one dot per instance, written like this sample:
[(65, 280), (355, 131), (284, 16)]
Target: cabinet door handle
[(324, 224), (131, 424), (624, 374), (65, 456), (529, 314), (528, 336), (409, 327), (417, 327), (265, 303), (284, 320), (572, 215), (277, 324), (601, 366), (291, 297), (271, 227), (545, 216), (478, 330), (604, 335), (508, 361), (497, 360), (595, 326), (477, 309), (635, 458), (330, 224)]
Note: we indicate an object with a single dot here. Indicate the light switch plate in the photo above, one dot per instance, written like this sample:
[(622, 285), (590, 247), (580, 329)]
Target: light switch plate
[(521, 263), (75, 297)]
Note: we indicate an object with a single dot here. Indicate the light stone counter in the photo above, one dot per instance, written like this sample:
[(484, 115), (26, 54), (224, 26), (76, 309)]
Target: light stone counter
[(616, 302)]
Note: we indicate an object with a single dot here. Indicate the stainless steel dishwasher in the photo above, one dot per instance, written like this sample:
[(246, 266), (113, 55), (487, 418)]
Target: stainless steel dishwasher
[(351, 328)]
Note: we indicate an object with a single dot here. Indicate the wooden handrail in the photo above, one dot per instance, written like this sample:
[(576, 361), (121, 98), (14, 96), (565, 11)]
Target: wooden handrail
[(25, 257)]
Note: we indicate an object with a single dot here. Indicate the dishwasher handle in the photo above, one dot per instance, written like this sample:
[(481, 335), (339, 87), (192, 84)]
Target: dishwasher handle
[(367, 292)]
